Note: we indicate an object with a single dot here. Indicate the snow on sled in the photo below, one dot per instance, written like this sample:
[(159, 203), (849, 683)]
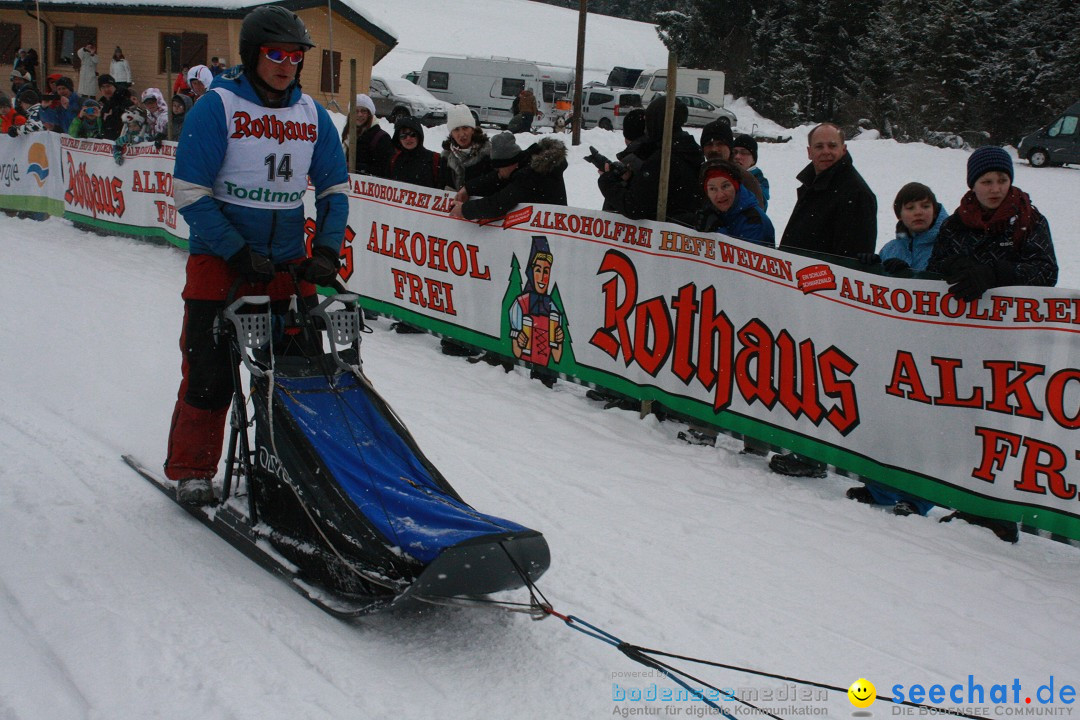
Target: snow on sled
[(336, 484)]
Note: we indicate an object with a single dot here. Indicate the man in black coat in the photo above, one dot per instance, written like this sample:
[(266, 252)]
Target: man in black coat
[(636, 195), (520, 176), (836, 212)]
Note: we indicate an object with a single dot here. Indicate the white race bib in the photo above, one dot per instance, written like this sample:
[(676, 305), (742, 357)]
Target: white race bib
[(269, 152)]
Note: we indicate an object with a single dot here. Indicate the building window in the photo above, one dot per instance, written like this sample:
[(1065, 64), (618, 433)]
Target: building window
[(69, 40), (438, 80), (181, 49), (10, 42), (328, 66)]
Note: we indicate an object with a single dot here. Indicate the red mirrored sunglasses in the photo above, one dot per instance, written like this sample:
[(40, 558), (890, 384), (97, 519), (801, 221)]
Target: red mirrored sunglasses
[(277, 55)]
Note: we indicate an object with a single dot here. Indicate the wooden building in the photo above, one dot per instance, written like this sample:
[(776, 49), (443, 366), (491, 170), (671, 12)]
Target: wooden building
[(171, 33)]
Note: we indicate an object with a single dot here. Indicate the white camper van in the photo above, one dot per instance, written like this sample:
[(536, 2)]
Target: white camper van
[(490, 85), (708, 84)]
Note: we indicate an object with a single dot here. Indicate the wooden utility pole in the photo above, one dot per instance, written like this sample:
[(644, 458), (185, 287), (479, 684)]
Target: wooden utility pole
[(579, 72), (669, 120), (665, 160), (352, 115)]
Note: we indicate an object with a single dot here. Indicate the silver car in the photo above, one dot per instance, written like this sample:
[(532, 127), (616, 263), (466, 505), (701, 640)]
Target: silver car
[(703, 112), (396, 98)]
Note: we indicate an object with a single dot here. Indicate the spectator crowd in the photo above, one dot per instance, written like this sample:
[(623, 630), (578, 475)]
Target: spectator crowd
[(100, 105)]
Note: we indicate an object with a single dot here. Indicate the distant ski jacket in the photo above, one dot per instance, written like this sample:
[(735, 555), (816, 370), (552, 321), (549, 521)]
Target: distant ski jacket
[(915, 249), (33, 123), (242, 170), (764, 183), (744, 220), (538, 179)]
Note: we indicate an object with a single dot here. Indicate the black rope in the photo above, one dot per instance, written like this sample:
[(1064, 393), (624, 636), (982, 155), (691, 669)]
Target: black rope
[(761, 673)]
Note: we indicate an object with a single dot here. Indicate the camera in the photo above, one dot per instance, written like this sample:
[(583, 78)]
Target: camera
[(599, 161)]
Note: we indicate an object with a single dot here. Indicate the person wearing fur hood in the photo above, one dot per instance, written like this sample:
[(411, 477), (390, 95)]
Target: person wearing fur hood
[(466, 152), (520, 176)]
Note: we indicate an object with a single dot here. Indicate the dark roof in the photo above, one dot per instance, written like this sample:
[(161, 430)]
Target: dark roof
[(185, 9)]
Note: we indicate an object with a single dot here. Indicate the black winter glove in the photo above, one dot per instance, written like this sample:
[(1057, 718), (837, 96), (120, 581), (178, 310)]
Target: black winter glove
[(971, 282), (868, 258), (897, 267), (322, 267), (252, 267), (953, 266), (13, 131)]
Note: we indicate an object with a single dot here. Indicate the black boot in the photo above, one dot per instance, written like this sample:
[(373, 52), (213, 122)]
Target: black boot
[(795, 465)]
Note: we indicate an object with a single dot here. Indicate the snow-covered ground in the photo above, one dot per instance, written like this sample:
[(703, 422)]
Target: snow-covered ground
[(115, 604)]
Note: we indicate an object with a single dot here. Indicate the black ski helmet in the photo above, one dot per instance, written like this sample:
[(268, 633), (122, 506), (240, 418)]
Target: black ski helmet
[(270, 24)]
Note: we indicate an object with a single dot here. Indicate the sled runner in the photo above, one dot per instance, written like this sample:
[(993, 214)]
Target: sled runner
[(332, 492)]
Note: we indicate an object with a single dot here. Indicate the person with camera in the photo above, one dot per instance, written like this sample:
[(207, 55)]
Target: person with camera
[(88, 123), (635, 193), (241, 193), (88, 63)]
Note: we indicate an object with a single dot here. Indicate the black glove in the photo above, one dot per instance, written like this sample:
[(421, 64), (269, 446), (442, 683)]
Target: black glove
[(252, 267), (868, 258), (322, 267), (971, 282), (953, 266), (13, 131), (897, 267)]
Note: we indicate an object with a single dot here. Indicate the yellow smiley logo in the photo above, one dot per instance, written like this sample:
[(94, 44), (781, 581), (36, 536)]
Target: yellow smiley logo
[(862, 693)]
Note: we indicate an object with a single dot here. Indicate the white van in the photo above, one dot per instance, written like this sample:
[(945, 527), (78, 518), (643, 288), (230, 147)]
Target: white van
[(708, 84), (490, 85)]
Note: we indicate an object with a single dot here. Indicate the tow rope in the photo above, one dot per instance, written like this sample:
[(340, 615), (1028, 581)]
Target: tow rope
[(540, 607)]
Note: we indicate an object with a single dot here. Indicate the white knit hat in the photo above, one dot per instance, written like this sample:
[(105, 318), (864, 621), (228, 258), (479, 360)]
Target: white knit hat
[(460, 116), (363, 101)]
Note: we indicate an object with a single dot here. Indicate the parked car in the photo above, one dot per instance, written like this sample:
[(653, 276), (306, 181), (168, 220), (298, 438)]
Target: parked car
[(605, 107), (703, 112), (396, 98), (1057, 143)]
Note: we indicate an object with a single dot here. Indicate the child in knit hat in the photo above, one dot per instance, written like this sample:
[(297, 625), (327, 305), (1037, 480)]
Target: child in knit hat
[(996, 237), (744, 151)]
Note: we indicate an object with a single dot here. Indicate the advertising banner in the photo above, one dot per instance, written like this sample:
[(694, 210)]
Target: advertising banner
[(971, 405), (134, 197), (30, 174)]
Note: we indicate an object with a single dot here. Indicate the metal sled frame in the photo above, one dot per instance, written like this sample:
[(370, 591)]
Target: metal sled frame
[(247, 332)]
